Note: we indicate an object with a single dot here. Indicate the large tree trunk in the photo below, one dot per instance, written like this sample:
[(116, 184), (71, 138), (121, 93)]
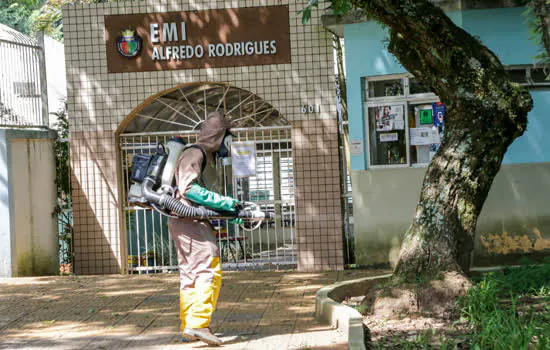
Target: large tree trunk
[(485, 114)]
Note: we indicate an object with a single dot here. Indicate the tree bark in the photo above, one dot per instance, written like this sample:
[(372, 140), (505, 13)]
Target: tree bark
[(541, 10), (486, 112)]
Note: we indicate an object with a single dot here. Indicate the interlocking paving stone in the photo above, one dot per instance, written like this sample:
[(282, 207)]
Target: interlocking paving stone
[(257, 310)]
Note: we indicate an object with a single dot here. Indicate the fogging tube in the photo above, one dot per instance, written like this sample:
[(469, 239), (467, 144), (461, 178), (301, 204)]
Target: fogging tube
[(173, 204), (186, 211)]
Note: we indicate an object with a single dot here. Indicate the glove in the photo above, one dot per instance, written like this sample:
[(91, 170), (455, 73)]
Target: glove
[(212, 200)]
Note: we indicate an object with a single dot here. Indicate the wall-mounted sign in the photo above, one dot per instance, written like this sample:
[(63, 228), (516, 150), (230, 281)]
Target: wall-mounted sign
[(356, 147), (198, 39), (128, 43)]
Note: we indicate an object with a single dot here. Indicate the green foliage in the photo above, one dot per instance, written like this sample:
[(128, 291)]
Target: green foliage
[(538, 12), (500, 326), (48, 19), (509, 329), (480, 301), (62, 166), (30, 16), (499, 313), (161, 251), (524, 279), (18, 14), (63, 208), (338, 7), (361, 308)]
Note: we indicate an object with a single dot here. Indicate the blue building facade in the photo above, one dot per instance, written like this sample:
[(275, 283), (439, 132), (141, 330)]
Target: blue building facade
[(388, 162)]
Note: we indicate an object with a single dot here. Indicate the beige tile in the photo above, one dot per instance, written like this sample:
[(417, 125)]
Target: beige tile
[(95, 114)]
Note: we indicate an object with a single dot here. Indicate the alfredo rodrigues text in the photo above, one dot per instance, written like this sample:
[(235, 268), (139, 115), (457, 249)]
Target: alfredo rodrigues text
[(170, 33)]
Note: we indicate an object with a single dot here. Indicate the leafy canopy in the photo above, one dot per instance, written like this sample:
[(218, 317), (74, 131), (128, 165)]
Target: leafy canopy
[(339, 7), (19, 14)]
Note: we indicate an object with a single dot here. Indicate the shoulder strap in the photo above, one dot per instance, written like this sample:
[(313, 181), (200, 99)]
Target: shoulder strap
[(203, 165)]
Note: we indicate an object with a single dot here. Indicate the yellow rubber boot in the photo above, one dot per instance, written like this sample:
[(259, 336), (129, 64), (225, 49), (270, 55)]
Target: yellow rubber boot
[(205, 298), (217, 268), (187, 298)]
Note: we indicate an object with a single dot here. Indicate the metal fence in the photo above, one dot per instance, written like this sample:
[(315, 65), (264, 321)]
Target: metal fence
[(23, 96), (65, 221), (270, 246)]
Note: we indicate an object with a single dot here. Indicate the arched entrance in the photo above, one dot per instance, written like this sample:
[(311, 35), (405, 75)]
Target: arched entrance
[(180, 111)]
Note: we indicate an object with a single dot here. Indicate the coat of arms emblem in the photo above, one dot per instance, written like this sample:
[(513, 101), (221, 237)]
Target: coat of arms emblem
[(129, 43)]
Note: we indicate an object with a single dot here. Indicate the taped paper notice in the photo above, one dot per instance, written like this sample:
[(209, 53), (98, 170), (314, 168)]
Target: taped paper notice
[(389, 137), (389, 118), (423, 136), (243, 159)]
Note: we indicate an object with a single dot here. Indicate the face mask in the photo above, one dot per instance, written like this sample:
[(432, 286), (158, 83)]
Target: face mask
[(225, 148)]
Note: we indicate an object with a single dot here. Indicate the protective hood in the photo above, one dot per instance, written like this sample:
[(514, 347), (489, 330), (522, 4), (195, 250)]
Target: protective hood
[(212, 132)]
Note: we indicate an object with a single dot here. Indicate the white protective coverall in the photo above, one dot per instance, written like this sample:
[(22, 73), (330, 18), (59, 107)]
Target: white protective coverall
[(195, 240)]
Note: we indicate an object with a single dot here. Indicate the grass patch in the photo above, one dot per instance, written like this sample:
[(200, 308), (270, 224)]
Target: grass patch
[(509, 309), (524, 279), (505, 310)]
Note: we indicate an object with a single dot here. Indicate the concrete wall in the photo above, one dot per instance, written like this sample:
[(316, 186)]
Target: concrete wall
[(28, 235), (7, 242), (514, 222), (383, 205)]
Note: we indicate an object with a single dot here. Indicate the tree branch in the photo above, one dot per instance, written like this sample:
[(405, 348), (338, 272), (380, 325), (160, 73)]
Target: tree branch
[(541, 9)]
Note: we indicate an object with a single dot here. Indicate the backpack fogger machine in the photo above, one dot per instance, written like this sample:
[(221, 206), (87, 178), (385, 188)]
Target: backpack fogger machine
[(154, 186)]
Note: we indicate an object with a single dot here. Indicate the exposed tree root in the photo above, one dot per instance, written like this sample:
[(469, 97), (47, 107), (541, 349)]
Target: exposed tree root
[(435, 298)]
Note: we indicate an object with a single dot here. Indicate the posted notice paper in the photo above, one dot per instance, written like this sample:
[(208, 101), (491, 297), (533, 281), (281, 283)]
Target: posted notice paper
[(243, 159), (423, 136)]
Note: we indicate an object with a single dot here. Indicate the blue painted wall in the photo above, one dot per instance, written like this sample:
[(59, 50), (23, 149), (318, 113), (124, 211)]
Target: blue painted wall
[(534, 145), (505, 31), (366, 55)]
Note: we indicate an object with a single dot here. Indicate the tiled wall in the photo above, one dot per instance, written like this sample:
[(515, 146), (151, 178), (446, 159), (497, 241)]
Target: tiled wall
[(318, 208), (99, 102), (97, 239)]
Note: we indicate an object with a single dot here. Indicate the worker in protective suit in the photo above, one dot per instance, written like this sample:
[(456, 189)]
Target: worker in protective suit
[(195, 240)]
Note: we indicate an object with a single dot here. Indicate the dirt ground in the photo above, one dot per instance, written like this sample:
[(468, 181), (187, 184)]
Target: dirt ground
[(521, 316), (256, 310), (390, 333)]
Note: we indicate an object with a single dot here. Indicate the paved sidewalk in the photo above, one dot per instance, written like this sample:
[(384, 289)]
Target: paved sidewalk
[(257, 310)]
